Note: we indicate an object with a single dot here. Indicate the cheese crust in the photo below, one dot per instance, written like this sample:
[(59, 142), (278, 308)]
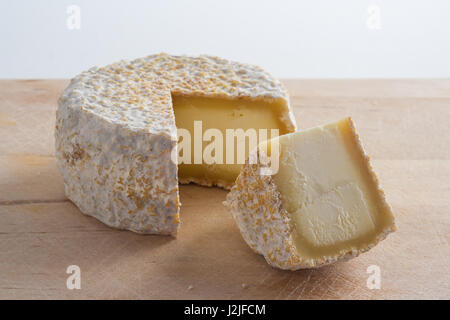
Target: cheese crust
[(115, 131)]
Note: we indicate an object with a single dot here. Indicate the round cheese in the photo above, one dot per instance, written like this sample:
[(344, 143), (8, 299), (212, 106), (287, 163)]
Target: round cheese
[(115, 131)]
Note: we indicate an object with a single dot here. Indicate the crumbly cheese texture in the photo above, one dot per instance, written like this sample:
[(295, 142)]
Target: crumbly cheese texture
[(115, 130), (324, 202)]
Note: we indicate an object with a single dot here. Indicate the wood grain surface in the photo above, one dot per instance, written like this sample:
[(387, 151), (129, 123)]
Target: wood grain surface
[(404, 126)]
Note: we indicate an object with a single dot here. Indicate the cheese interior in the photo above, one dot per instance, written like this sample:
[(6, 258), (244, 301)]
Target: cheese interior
[(327, 189), (223, 114)]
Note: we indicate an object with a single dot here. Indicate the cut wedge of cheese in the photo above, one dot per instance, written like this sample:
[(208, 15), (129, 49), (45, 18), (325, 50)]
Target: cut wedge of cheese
[(116, 128), (321, 203)]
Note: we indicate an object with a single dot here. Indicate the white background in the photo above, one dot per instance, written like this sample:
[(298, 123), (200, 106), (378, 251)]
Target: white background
[(306, 39)]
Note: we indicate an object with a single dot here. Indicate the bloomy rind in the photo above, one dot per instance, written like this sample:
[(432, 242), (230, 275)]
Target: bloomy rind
[(255, 204), (130, 185), (115, 128)]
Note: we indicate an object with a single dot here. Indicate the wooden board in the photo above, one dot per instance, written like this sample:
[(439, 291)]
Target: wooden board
[(404, 125)]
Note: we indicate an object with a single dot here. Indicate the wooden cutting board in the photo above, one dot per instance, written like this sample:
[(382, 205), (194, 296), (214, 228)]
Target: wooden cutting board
[(404, 125)]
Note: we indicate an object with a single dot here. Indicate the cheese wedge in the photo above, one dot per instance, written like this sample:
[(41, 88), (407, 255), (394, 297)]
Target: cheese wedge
[(116, 132), (321, 203)]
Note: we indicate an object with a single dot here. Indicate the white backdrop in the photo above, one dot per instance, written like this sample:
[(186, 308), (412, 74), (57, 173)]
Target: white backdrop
[(307, 39)]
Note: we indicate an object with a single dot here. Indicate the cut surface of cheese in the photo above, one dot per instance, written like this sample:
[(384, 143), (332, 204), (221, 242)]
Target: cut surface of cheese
[(116, 132), (324, 203), (224, 114)]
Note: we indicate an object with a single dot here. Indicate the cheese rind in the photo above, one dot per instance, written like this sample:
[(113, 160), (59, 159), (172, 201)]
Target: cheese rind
[(323, 204), (115, 130)]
